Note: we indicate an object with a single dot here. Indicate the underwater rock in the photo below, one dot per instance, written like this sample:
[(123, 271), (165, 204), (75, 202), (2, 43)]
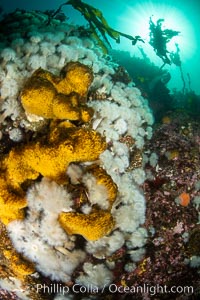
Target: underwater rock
[(106, 197)]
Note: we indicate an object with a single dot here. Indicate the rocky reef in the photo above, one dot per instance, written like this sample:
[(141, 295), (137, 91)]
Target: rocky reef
[(72, 138)]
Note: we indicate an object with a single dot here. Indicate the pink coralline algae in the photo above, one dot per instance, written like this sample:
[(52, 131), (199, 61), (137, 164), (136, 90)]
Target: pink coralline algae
[(175, 227)]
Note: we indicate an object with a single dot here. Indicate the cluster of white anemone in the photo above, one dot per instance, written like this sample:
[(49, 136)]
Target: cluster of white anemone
[(123, 112)]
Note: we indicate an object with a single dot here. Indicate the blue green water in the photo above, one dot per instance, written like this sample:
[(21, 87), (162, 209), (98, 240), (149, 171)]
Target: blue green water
[(132, 17)]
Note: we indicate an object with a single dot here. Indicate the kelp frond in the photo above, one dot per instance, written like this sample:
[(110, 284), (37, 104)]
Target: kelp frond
[(159, 39), (98, 24)]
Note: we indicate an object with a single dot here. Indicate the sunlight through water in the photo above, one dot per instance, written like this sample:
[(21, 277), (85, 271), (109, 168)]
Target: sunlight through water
[(135, 20)]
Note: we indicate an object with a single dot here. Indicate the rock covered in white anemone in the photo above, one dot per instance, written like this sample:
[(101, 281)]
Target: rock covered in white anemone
[(121, 115)]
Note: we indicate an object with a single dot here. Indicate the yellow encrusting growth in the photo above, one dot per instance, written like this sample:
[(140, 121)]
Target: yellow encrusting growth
[(12, 263), (11, 203), (17, 264), (50, 159), (92, 226), (59, 97)]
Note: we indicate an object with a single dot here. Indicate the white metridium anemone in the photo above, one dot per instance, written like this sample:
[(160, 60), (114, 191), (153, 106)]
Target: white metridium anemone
[(47, 49), (30, 48), (107, 245), (66, 54), (16, 134), (8, 54), (17, 45), (97, 193), (11, 108), (37, 61), (35, 37), (40, 237), (96, 275)]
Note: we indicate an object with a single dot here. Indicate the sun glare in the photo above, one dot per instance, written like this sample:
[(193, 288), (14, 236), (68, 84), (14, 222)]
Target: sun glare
[(135, 21)]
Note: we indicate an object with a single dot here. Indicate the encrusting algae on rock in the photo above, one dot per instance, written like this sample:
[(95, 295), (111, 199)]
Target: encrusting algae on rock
[(59, 97)]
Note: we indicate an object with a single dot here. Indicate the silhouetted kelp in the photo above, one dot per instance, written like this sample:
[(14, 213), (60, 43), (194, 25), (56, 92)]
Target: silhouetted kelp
[(97, 24), (175, 58), (159, 39)]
